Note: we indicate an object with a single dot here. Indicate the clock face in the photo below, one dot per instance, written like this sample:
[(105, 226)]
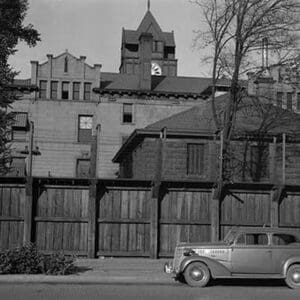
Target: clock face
[(155, 69), (86, 122)]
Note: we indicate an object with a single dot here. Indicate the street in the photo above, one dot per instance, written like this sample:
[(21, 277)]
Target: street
[(222, 290)]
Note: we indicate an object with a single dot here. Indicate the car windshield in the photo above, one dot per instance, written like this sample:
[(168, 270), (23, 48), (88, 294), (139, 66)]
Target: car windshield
[(229, 237)]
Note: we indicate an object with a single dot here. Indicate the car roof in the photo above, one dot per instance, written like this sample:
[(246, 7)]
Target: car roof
[(266, 230)]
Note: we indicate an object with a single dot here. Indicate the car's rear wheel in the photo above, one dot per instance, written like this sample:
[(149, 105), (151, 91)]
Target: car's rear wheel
[(197, 274), (293, 276)]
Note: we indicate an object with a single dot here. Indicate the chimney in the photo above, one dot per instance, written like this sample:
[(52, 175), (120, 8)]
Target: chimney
[(264, 84), (145, 46), (34, 71)]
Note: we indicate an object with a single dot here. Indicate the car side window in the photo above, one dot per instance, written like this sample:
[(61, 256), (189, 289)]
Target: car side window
[(241, 239), (283, 239), (252, 239)]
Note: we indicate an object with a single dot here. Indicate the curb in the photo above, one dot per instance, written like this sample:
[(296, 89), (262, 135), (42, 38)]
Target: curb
[(69, 279)]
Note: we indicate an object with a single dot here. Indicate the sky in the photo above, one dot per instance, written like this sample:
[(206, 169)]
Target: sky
[(93, 28)]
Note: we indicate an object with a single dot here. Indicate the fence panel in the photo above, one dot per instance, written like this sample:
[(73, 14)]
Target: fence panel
[(244, 209), (289, 211), (124, 222), (12, 199), (61, 219), (184, 217), (60, 215)]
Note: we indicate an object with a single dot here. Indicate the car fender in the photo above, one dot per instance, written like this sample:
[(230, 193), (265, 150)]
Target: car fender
[(215, 267), (289, 262)]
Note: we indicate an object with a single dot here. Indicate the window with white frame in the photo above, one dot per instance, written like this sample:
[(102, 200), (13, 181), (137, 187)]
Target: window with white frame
[(85, 125)]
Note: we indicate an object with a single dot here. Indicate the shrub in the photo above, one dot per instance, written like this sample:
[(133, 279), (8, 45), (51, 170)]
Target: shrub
[(28, 260), (23, 260), (58, 264)]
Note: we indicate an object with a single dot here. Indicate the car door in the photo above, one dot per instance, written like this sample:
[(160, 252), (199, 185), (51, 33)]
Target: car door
[(251, 253), (284, 246)]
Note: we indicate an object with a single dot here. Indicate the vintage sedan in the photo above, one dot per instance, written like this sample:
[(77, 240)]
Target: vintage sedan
[(244, 253)]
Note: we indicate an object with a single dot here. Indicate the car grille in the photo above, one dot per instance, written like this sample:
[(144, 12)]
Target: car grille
[(177, 258)]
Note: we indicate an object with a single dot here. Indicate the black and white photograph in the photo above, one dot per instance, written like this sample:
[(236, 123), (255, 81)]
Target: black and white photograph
[(149, 149)]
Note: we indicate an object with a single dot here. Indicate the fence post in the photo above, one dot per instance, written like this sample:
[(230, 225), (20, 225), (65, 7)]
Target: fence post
[(274, 197), (274, 208), (155, 205), (28, 219), (216, 195), (215, 213), (92, 206), (28, 216)]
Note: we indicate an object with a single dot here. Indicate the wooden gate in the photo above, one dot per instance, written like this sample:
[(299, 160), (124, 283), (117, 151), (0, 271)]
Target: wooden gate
[(124, 222), (61, 219)]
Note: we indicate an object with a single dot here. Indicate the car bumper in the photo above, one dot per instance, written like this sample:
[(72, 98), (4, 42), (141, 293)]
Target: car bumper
[(168, 268)]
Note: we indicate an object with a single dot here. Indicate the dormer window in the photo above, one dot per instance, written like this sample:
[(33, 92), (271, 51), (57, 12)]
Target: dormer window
[(66, 66)]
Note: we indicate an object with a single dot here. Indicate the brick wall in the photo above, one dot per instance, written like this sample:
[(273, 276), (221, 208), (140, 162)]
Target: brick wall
[(175, 161)]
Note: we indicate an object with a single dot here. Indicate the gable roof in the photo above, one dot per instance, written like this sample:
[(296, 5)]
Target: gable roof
[(148, 22), (66, 53), (150, 25), (179, 85), (197, 118)]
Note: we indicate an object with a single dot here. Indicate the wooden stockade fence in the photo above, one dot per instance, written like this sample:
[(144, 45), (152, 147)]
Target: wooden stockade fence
[(116, 217)]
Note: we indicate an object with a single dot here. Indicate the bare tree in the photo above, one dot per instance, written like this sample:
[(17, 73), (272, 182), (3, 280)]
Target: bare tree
[(234, 30)]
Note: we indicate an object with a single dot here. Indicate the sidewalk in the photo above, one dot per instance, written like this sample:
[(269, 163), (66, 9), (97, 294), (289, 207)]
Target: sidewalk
[(104, 271)]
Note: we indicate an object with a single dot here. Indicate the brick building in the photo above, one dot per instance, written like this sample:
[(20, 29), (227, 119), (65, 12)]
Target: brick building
[(74, 97), (282, 86), (191, 147)]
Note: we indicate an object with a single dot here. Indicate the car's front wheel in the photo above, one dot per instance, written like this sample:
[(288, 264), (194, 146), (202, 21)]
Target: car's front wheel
[(197, 274), (293, 276)]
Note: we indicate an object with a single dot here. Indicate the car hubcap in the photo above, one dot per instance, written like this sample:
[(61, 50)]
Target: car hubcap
[(296, 276), (197, 274)]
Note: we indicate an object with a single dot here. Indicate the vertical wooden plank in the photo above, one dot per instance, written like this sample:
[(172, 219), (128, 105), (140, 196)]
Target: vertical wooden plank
[(124, 227), (272, 151), (283, 157), (274, 206), (212, 167), (274, 217)]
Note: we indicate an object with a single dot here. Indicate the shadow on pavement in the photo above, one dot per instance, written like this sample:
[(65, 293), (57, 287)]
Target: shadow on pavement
[(247, 282), (81, 269)]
